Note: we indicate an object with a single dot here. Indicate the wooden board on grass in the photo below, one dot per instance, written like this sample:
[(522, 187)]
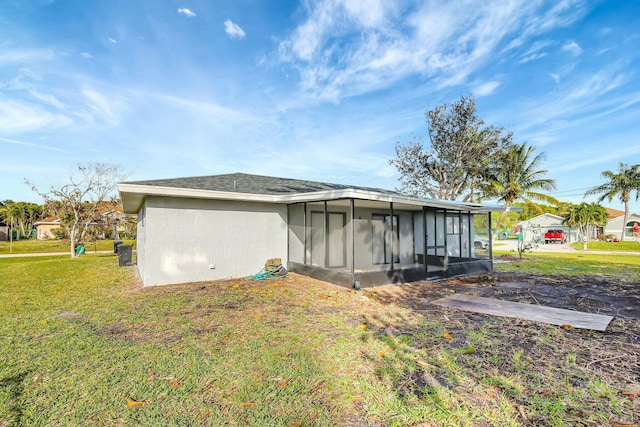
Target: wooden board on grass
[(538, 313)]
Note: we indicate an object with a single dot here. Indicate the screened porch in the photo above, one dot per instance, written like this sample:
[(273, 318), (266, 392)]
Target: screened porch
[(362, 243)]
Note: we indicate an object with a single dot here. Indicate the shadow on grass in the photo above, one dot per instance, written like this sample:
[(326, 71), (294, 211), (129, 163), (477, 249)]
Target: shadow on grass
[(14, 385)]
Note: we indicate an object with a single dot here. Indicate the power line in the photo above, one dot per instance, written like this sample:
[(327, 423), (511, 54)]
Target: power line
[(569, 191)]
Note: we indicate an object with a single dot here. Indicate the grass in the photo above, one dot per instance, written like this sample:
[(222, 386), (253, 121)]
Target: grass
[(82, 344), (617, 266), (33, 246), (626, 246)]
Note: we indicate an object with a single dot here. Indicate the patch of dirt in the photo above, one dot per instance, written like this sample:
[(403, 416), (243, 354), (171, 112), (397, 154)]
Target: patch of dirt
[(568, 360), (588, 294)]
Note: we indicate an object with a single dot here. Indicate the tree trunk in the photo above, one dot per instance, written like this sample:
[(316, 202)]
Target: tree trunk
[(499, 223), (626, 218), (72, 239)]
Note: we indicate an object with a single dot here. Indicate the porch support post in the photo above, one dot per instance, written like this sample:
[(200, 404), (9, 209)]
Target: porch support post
[(304, 228), (289, 232), (353, 239), (446, 244), (471, 242), (490, 238), (326, 236), (460, 234), (393, 233), (424, 238)]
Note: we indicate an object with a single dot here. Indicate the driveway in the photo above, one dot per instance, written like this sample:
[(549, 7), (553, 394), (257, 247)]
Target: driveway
[(512, 245)]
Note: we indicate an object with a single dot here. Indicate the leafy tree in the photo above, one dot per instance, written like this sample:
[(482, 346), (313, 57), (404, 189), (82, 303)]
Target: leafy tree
[(529, 211), (4, 211), (516, 176), (79, 203), (459, 157), (584, 217), (22, 214), (25, 215), (620, 184)]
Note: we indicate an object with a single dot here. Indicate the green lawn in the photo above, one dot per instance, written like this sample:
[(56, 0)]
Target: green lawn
[(82, 344), (33, 246), (618, 266), (626, 246)]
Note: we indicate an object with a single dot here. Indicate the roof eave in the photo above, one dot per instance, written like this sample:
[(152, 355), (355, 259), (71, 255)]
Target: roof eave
[(133, 196)]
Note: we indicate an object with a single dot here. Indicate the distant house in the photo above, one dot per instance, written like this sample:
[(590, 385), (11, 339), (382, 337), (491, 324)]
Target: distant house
[(45, 226), (549, 221), (615, 224), (225, 226), (544, 222), (4, 232), (109, 225)]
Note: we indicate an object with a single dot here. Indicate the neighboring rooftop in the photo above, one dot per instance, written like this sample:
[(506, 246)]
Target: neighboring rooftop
[(253, 184), (614, 213)]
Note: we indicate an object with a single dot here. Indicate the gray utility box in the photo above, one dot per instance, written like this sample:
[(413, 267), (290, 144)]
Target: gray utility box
[(125, 253)]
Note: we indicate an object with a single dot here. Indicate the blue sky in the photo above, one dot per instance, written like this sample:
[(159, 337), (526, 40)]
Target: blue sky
[(318, 90)]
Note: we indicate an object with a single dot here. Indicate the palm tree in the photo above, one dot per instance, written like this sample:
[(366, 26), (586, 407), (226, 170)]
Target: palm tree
[(621, 184), (516, 176), (585, 216)]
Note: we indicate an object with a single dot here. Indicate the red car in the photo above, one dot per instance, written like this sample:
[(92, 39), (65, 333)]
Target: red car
[(555, 236)]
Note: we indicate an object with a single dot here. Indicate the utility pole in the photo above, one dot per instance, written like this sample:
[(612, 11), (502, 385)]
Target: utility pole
[(10, 234)]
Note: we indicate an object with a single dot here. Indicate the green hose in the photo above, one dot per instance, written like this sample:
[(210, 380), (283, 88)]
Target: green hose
[(271, 272)]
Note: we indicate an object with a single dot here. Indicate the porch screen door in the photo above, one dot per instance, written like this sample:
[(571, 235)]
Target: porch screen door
[(336, 239), (385, 237), (317, 239)]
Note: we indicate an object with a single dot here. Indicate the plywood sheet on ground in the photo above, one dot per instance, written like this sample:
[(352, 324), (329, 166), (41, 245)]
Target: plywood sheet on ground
[(538, 313)]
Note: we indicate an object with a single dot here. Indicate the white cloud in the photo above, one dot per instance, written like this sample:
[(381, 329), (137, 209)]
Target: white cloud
[(345, 48), (112, 40), (186, 12), (555, 77), (536, 51), (573, 48), (32, 144), (233, 30), (106, 107), (487, 88), (587, 99), (86, 55), (19, 117), (9, 56)]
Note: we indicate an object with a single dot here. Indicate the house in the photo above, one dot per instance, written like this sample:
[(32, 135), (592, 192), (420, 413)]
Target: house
[(227, 226), (4, 232), (615, 223), (536, 227), (45, 227), (548, 221), (109, 225)]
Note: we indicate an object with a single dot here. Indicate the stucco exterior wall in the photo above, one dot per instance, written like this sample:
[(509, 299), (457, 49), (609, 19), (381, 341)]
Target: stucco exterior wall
[(43, 231), (191, 240)]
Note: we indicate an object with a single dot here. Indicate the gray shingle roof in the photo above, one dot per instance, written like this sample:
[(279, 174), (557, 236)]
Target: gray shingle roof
[(253, 184)]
